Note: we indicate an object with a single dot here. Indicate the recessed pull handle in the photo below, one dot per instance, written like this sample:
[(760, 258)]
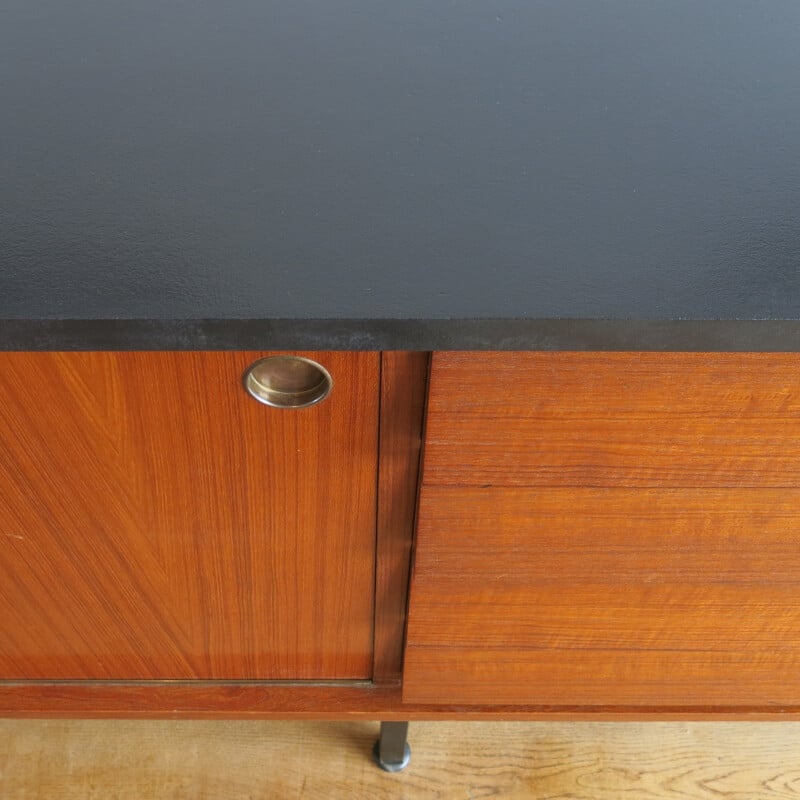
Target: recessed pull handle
[(287, 381)]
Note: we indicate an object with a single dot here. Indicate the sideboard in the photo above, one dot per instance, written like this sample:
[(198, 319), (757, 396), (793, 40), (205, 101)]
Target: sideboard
[(400, 362)]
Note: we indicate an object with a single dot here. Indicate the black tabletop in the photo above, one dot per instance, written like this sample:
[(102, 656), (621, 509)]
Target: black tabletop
[(404, 173)]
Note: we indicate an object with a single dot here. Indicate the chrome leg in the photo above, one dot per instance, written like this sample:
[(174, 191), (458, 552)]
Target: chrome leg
[(391, 751)]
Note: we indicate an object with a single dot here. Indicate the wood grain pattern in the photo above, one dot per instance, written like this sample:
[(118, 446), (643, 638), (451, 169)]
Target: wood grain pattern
[(92, 760), (306, 700), (663, 571), (403, 387), (156, 522), (714, 537), (614, 419), (588, 675)]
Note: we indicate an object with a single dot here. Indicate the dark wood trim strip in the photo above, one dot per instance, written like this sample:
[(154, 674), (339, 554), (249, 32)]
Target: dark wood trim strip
[(403, 390), (713, 335), (199, 700)]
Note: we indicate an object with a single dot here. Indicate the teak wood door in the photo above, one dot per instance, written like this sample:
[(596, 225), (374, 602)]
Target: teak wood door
[(617, 530), (156, 522)]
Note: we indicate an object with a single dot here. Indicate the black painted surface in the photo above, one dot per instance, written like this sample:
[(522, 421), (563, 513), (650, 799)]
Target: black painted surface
[(354, 334), (393, 170)]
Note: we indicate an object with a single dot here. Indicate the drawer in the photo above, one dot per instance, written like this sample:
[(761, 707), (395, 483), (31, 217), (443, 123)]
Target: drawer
[(608, 530), (157, 522)]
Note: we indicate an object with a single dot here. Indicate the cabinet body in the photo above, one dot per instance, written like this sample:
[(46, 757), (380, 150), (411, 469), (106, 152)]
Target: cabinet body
[(598, 534), (596, 531)]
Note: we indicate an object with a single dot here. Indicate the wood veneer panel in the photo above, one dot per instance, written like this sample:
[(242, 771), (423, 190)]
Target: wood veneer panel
[(615, 596), (157, 522), (403, 387), (596, 677), (647, 586), (614, 419), (703, 537)]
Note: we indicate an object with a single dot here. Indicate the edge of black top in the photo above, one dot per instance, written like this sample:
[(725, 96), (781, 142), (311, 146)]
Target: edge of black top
[(452, 334)]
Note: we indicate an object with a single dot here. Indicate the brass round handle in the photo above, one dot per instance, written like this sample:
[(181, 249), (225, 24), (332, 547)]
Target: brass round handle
[(287, 381)]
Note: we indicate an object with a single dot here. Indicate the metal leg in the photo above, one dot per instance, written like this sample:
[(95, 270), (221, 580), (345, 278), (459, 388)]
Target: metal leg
[(391, 751)]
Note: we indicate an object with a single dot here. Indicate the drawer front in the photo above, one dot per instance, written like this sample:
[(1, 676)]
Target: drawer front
[(616, 530), (157, 522)]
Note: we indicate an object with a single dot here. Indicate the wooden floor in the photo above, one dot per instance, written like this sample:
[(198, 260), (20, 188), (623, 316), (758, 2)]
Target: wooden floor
[(131, 760)]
